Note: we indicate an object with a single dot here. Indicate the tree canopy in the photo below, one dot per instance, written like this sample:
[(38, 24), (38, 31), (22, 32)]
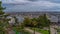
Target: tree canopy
[(3, 19), (41, 21)]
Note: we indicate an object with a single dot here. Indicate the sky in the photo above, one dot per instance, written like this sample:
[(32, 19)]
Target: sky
[(34, 5)]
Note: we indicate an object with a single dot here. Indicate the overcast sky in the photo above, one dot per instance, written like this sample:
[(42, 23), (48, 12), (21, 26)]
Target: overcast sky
[(36, 5)]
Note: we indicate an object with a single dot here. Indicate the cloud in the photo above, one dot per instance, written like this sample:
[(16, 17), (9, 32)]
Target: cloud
[(35, 5), (45, 4), (14, 1), (54, 1), (19, 1), (33, 0)]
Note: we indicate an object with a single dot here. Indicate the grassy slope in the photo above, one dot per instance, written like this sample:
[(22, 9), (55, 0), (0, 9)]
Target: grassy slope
[(59, 31), (41, 31), (21, 32)]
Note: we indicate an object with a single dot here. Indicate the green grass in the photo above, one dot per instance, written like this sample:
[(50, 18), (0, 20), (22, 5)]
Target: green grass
[(58, 32), (26, 32), (20, 31), (41, 31)]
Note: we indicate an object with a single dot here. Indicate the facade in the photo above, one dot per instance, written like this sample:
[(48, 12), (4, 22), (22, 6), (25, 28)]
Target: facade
[(12, 21), (53, 19)]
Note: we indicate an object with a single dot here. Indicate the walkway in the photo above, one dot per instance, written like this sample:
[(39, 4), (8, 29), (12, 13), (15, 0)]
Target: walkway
[(11, 32), (53, 31), (31, 31)]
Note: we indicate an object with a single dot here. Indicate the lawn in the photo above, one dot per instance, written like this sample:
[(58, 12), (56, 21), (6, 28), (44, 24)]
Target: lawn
[(20, 32), (58, 30), (41, 30)]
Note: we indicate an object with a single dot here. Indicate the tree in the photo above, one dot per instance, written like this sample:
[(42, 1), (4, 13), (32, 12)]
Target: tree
[(16, 20), (34, 23), (17, 26), (27, 22), (47, 22), (43, 21), (3, 19)]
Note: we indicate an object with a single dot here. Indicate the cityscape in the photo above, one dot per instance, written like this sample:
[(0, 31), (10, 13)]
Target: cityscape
[(29, 16)]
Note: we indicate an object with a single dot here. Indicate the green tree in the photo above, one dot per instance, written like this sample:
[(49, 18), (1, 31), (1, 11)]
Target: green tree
[(18, 26), (43, 21), (47, 22), (27, 21), (34, 23), (16, 20), (3, 19)]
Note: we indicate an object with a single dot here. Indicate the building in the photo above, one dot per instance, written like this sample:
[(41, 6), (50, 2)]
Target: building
[(12, 21), (53, 19)]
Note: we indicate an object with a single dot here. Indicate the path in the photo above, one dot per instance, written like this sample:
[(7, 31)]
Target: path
[(52, 30), (31, 31), (11, 32)]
